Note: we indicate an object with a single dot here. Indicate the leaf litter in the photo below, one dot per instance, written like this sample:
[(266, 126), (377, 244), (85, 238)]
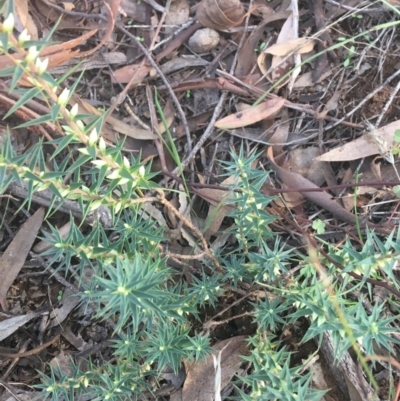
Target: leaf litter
[(277, 39)]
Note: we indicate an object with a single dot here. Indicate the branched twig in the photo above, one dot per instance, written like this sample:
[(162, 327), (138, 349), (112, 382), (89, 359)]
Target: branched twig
[(188, 224), (162, 76)]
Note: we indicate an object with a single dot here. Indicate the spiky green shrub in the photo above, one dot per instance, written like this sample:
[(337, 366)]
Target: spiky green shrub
[(133, 289)]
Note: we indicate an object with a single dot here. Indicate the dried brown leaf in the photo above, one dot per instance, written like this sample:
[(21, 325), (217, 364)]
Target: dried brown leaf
[(281, 133), (323, 199), (22, 13), (124, 128), (199, 383), (294, 46), (125, 73), (135, 10), (275, 67), (12, 324), (363, 146), (305, 80), (301, 161), (247, 55), (68, 6), (264, 110), (14, 256), (332, 104), (57, 54), (220, 14), (218, 208)]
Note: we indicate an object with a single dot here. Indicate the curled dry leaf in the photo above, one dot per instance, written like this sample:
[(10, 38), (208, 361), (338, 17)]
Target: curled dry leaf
[(287, 45), (363, 146), (220, 14), (267, 109), (247, 55)]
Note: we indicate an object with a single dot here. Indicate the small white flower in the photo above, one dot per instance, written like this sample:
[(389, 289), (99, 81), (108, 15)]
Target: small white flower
[(8, 24), (23, 37), (114, 175), (102, 144), (41, 65), (32, 54), (74, 111), (63, 98), (142, 171), (93, 137), (126, 162), (99, 163), (80, 125)]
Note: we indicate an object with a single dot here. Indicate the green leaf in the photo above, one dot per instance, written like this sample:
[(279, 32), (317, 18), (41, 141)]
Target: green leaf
[(397, 135), (32, 177), (40, 44), (7, 71), (4, 42), (25, 98), (55, 112), (68, 74), (49, 79), (62, 144), (79, 162), (319, 226), (18, 72), (396, 190), (36, 121)]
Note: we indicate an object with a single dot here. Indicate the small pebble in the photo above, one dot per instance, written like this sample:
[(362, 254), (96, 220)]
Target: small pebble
[(204, 40)]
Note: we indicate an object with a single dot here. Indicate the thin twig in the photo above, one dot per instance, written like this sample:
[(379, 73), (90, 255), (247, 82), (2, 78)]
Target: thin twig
[(162, 76), (210, 128), (162, 19), (357, 10), (257, 91), (387, 104), (188, 224), (368, 97)]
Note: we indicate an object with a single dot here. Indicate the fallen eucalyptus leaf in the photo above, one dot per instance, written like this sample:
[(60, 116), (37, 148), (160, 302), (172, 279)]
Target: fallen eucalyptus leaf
[(15, 255), (249, 116)]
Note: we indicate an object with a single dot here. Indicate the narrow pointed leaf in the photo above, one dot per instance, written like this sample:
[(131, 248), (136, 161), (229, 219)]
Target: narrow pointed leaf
[(29, 95), (36, 121), (19, 71)]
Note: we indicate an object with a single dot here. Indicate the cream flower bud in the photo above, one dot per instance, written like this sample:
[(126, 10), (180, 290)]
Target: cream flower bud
[(93, 137), (32, 54), (63, 98), (8, 24), (23, 37), (74, 111), (41, 65)]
